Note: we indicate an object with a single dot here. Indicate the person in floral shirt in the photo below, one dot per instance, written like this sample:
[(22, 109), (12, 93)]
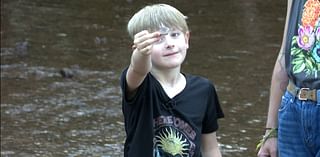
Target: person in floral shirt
[(293, 123), (305, 46)]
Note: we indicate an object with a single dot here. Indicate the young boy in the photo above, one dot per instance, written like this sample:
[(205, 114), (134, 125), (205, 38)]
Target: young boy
[(167, 113)]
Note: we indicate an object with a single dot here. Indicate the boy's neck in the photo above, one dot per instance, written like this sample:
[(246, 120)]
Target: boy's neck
[(168, 78), (172, 82)]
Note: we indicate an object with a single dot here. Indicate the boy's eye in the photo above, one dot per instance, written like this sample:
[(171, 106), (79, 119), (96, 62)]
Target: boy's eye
[(174, 34)]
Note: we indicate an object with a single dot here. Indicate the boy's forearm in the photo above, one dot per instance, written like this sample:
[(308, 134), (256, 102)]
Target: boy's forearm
[(209, 145), (139, 67), (140, 63), (212, 153)]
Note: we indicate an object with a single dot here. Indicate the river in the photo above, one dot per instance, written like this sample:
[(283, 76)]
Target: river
[(61, 62)]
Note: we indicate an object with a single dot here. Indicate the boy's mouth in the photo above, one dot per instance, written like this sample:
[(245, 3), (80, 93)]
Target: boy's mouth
[(170, 54)]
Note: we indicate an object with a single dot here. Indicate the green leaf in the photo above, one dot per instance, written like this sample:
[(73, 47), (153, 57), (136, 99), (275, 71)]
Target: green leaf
[(294, 41), (300, 55), (295, 51), (309, 64), (298, 68), (297, 61)]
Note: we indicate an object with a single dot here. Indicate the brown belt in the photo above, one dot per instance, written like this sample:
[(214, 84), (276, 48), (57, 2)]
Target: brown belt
[(302, 93)]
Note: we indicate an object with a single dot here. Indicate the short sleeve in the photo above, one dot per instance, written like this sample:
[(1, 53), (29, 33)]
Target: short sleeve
[(213, 112)]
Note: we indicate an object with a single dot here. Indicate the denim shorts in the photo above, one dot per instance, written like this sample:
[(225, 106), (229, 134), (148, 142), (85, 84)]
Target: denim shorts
[(299, 127)]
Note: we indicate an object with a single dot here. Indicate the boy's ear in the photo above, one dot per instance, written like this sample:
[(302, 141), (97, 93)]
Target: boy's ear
[(187, 36)]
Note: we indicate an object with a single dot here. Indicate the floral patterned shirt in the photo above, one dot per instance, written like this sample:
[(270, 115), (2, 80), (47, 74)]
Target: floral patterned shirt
[(304, 53)]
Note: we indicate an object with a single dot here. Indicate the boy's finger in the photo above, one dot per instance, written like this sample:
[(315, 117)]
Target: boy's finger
[(146, 50), (139, 34)]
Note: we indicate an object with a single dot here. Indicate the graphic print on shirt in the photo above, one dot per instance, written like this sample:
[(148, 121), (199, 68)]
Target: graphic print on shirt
[(305, 48), (173, 137)]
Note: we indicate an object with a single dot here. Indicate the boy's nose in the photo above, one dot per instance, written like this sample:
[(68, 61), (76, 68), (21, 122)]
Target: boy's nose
[(169, 46), (169, 43)]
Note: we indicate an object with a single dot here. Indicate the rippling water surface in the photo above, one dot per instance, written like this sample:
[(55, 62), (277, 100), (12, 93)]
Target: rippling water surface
[(61, 62)]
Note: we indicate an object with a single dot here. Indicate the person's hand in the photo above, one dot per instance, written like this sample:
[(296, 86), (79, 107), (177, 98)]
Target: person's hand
[(269, 148), (143, 41)]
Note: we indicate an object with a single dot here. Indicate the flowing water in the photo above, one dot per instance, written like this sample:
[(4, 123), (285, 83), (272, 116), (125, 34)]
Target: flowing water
[(61, 62)]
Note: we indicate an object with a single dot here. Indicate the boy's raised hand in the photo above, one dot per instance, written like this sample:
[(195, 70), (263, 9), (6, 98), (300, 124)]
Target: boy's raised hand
[(144, 40)]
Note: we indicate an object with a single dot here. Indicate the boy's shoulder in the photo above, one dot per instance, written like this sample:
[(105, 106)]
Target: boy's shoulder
[(197, 80), (192, 77)]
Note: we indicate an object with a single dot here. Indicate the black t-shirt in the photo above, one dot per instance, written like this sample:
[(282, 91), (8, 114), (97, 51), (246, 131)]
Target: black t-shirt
[(157, 125)]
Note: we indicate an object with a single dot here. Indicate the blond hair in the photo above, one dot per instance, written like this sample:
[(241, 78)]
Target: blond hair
[(152, 17)]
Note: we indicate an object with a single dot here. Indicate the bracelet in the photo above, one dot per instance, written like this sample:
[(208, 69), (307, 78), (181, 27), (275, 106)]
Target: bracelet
[(269, 128), (273, 133)]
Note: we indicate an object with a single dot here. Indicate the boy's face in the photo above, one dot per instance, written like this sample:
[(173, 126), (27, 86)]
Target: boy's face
[(170, 51)]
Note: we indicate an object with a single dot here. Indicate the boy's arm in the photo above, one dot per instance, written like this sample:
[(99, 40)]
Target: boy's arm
[(140, 63), (209, 145)]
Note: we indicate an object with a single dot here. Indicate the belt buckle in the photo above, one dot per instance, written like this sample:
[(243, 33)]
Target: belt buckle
[(303, 94), (318, 96)]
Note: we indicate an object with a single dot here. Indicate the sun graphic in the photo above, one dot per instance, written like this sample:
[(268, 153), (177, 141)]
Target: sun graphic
[(171, 142)]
